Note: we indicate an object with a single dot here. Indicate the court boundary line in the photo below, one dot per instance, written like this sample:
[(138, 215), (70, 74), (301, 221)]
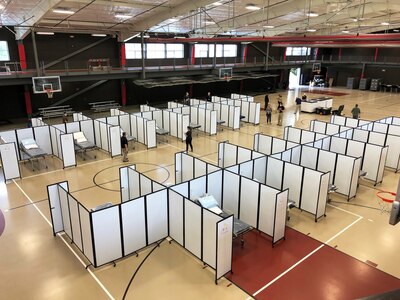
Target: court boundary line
[(65, 242), (304, 258)]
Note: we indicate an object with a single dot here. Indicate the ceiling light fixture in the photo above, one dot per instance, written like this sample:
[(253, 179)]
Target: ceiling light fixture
[(312, 14), (269, 26), (217, 3), (173, 20), (385, 23), (209, 22), (122, 16), (44, 33), (99, 34), (63, 11), (396, 30), (345, 31), (311, 30), (251, 6)]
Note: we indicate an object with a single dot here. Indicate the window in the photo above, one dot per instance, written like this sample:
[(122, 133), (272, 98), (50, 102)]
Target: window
[(4, 54), (201, 50), (298, 51), (230, 50), (133, 51), (221, 50), (175, 50), (155, 50)]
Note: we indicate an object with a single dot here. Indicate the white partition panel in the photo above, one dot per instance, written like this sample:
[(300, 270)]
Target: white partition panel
[(296, 151), (343, 177), (134, 183), (355, 148), (309, 158), (104, 136), (243, 155), (235, 115), (293, 180), (224, 246), (200, 168), (394, 129), (311, 187), (174, 124), (54, 143), (185, 124), (157, 216), (9, 161), (72, 127), (393, 157), (187, 167), (213, 122), (246, 169), (323, 196), (381, 167), (151, 134), (332, 129), (133, 225), (307, 137), (42, 138), (338, 145), (115, 140), (267, 209), (249, 201), (293, 134), (231, 191), (86, 233), (193, 228), (65, 211), (106, 235), (176, 224), (360, 135), (26, 133), (278, 145), (197, 187), (182, 189), (264, 144), (68, 149), (124, 121), (280, 216), (140, 130), (55, 207), (75, 222), (355, 170), (274, 172), (124, 184), (351, 122), (318, 126), (214, 185), (379, 127), (377, 138), (327, 162), (210, 237), (260, 169), (229, 155), (145, 185)]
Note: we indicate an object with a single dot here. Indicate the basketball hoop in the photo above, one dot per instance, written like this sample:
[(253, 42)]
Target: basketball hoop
[(386, 198), (49, 93)]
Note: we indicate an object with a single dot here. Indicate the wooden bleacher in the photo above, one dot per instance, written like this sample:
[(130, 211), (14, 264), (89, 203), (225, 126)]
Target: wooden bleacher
[(55, 111), (103, 106)]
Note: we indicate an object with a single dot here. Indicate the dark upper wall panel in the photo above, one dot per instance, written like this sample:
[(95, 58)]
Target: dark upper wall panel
[(7, 35), (53, 47), (12, 102)]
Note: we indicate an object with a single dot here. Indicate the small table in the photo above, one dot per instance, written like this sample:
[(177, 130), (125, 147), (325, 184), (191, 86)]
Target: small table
[(195, 127), (219, 123)]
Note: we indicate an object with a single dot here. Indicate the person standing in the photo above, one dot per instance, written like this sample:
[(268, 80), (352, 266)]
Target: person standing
[(266, 101), (65, 118), (208, 98), (280, 109), (124, 146), (268, 112), (298, 105), (356, 112), (186, 99), (189, 139)]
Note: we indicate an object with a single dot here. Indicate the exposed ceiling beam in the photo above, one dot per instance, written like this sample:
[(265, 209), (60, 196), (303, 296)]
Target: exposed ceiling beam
[(158, 16), (130, 4), (35, 15)]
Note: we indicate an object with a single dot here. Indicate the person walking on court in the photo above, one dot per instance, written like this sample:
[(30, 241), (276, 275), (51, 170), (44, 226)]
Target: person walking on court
[(356, 112), (124, 146), (208, 98), (266, 101), (298, 105), (186, 99), (65, 118), (189, 139), (268, 112), (280, 109)]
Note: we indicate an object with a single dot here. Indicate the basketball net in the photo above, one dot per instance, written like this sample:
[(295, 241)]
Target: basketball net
[(49, 93), (227, 78)]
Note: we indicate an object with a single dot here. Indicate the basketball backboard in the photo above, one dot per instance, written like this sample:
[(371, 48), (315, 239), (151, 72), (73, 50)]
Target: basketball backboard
[(225, 73), (42, 85)]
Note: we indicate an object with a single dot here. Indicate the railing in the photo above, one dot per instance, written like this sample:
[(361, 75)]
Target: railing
[(65, 68)]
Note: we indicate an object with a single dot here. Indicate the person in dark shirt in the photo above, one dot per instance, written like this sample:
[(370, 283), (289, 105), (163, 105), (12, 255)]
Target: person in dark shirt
[(280, 109), (65, 118), (266, 101), (189, 139), (298, 105), (356, 112), (186, 99), (208, 98), (124, 146)]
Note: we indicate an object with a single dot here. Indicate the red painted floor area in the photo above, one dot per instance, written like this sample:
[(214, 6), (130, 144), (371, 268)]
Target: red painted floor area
[(327, 274), (329, 93)]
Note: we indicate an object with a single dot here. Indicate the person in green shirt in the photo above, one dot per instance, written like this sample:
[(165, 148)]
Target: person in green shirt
[(356, 112)]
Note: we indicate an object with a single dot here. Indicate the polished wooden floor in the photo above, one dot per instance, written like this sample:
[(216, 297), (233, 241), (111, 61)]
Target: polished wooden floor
[(36, 265)]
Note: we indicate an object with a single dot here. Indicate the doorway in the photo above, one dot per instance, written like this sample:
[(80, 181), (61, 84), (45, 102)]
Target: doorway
[(294, 78)]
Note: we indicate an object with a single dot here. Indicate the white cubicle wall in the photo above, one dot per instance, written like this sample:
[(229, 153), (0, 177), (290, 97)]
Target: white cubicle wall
[(229, 114), (258, 205), (9, 160), (270, 145), (188, 167), (249, 110), (113, 232), (136, 125), (378, 133), (348, 122), (242, 97), (206, 118), (373, 156), (230, 154), (134, 184), (301, 136), (307, 187)]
